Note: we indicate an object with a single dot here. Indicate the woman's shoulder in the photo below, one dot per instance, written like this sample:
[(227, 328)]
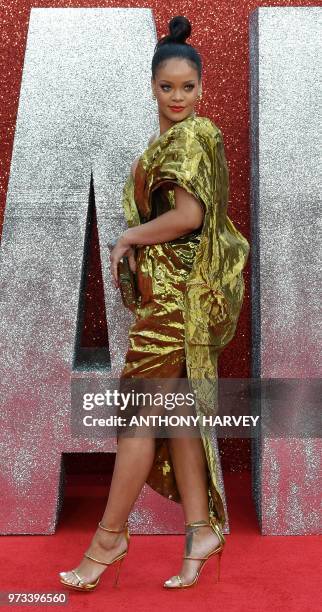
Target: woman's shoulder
[(195, 130), (153, 138), (205, 125), (197, 134), (192, 136)]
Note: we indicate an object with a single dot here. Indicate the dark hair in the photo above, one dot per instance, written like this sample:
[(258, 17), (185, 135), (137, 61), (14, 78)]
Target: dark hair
[(174, 45)]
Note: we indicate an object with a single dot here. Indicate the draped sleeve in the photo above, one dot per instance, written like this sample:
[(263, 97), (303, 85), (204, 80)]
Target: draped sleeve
[(177, 157), (130, 210), (191, 154)]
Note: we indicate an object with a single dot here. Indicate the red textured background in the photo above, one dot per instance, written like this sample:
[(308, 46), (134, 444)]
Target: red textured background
[(220, 33)]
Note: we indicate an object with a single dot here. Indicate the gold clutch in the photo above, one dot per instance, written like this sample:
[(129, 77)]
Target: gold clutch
[(128, 285)]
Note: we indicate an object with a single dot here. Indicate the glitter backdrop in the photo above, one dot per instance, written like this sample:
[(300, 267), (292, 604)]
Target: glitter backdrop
[(66, 158), (220, 32), (284, 50)]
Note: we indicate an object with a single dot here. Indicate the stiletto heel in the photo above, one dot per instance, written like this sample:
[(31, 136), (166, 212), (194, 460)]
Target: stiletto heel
[(117, 572), (219, 561), (218, 550), (90, 586)]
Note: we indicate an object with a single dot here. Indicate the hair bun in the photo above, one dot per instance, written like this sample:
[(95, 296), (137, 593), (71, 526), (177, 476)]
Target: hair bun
[(179, 30)]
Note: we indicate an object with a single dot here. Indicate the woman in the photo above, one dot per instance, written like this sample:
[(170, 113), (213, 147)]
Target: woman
[(188, 259)]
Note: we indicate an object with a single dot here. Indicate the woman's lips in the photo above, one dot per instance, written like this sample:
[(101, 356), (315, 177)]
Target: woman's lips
[(177, 109)]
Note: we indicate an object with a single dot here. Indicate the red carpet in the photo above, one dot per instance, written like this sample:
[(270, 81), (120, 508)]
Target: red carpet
[(258, 573)]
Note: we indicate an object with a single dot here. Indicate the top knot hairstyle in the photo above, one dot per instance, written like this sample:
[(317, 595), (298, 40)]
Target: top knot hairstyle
[(174, 45)]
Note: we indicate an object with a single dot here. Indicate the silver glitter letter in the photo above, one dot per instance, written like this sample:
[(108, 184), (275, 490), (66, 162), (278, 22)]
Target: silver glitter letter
[(285, 52)]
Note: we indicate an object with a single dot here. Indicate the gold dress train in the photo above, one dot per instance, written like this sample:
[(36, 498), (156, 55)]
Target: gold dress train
[(190, 289)]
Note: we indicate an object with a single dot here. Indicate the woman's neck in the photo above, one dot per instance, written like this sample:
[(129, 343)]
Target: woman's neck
[(165, 123)]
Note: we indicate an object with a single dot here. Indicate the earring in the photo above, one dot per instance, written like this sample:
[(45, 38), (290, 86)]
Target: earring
[(153, 97), (200, 95)]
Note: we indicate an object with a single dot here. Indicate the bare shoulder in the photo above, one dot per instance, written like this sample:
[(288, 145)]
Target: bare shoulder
[(134, 165), (135, 161), (153, 138)]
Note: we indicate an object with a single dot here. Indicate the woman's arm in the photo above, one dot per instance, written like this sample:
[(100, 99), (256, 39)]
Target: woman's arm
[(186, 217)]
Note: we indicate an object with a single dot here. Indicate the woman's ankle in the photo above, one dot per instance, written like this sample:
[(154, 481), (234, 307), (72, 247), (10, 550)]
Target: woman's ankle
[(192, 520), (113, 525), (109, 539)]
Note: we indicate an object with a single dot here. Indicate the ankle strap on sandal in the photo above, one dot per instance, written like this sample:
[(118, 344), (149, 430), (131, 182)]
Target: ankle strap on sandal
[(213, 524), (113, 530), (198, 524)]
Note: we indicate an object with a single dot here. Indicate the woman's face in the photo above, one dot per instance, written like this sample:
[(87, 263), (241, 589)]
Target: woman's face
[(176, 85)]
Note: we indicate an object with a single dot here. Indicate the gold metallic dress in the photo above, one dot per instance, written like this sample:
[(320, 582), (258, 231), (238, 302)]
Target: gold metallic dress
[(190, 289)]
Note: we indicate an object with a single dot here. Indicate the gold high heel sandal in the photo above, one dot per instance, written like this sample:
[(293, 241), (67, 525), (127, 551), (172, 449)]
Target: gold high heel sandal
[(90, 586), (217, 551)]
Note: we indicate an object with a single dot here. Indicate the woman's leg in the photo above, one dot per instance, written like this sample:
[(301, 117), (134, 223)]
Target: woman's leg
[(189, 462), (133, 462), (190, 466)]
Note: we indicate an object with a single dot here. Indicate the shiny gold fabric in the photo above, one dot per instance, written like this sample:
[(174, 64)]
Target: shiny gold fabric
[(191, 289)]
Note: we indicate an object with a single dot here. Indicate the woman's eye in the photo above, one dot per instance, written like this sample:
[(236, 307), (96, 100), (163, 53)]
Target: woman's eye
[(167, 87)]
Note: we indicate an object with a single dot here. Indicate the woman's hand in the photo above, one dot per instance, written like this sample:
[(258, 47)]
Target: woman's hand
[(121, 248), (186, 217)]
